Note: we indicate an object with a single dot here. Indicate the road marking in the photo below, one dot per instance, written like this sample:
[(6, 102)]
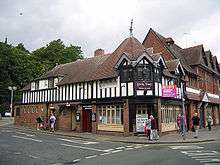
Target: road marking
[(26, 138), (22, 133), (116, 151), (76, 160), (17, 153), (146, 145), (129, 146), (35, 157), (203, 156), (77, 141), (6, 131), (86, 148), (211, 160), (138, 147), (129, 149), (185, 147), (107, 153), (120, 148), (89, 157), (111, 149)]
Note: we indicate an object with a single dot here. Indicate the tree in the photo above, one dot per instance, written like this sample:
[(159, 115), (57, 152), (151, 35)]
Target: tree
[(57, 53), (18, 66)]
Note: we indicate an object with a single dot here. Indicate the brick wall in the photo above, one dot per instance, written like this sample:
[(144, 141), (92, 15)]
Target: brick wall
[(126, 117), (153, 41), (29, 113)]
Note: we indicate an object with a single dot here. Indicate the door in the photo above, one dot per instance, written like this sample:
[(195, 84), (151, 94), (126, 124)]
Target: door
[(86, 120)]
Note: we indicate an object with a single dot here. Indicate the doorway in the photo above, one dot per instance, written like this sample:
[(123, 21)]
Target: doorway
[(86, 120)]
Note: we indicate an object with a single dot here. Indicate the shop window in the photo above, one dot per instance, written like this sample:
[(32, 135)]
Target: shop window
[(110, 114)]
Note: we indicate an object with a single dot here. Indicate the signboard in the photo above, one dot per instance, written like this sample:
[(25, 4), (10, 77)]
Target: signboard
[(143, 85), (77, 117), (169, 91), (93, 116), (140, 121)]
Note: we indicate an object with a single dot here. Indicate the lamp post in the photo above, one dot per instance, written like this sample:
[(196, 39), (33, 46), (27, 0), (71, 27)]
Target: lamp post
[(12, 89), (183, 116)]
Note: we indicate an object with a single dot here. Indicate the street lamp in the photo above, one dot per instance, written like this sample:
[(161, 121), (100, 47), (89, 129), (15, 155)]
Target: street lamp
[(12, 89)]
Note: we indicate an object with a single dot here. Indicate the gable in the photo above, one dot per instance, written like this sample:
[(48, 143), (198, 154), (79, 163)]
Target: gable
[(152, 40)]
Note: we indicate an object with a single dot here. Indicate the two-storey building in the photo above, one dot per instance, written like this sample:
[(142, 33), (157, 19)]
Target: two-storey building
[(108, 93), (202, 75)]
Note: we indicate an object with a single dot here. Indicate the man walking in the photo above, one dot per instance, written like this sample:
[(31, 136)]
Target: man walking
[(195, 121)]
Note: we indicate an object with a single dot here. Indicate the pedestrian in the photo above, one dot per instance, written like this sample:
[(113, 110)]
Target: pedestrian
[(52, 122), (147, 128), (153, 135), (178, 122), (195, 121), (39, 122), (209, 121), (182, 126)]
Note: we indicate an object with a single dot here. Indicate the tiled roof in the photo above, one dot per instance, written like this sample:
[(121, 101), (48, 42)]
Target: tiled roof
[(174, 50), (133, 49), (172, 64), (193, 55)]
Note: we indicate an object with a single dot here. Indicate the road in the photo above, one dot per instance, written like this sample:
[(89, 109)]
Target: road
[(24, 147)]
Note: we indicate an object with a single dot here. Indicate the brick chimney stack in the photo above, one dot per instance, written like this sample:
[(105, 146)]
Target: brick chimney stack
[(99, 52)]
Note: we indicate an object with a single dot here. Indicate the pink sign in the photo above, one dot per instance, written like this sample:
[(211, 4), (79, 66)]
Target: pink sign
[(169, 91)]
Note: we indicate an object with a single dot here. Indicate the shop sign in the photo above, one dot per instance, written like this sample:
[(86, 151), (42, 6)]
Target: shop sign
[(87, 107), (93, 117), (140, 121), (169, 91), (143, 85), (77, 117)]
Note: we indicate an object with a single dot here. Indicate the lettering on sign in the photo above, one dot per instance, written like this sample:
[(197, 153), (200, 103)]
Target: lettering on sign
[(143, 85)]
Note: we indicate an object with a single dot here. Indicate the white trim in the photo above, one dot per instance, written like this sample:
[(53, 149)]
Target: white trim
[(192, 90), (213, 95)]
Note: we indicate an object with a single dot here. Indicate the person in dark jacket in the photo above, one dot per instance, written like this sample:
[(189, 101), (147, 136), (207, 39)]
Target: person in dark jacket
[(195, 121), (153, 135)]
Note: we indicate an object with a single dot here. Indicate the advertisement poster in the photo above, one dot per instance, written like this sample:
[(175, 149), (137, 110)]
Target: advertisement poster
[(169, 91), (140, 120)]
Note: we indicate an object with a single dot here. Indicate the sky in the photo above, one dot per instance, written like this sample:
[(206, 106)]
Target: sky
[(94, 24)]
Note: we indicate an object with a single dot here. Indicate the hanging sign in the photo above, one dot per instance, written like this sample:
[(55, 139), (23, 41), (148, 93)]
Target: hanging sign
[(169, 91)]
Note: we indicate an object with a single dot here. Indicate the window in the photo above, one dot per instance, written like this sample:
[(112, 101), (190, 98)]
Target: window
[(111, 114), (50, 82), (143, 73), (169, 113), (126, 74)]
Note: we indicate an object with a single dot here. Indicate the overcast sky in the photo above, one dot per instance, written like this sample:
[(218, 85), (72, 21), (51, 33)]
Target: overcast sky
[(94, 24)]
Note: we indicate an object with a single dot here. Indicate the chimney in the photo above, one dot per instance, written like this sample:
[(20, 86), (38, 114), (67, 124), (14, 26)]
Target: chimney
[(99, 52), (169, 41)]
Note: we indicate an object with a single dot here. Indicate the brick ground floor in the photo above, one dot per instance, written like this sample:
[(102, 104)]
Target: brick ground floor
[(203, 109), (111, 116)]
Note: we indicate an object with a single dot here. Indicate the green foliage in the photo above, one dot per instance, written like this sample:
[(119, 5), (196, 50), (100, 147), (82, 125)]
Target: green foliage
[(18, 66), (57, 53)]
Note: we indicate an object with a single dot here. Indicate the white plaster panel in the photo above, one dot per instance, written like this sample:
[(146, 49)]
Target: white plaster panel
[(123, 89), (130, 89)]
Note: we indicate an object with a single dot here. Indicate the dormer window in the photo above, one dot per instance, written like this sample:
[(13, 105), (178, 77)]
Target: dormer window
[(126, 74)]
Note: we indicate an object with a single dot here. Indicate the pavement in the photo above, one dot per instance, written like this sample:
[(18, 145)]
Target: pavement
[(168, 138)]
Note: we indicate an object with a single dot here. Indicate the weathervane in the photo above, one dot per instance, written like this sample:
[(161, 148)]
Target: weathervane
[(131, 28)]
